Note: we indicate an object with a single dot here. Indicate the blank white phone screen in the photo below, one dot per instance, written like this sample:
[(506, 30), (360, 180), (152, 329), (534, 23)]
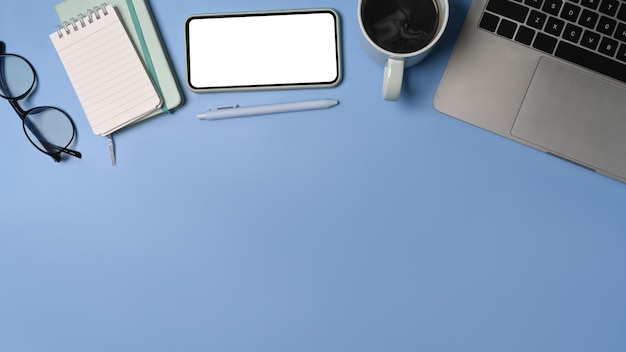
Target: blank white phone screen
[(262, 50)]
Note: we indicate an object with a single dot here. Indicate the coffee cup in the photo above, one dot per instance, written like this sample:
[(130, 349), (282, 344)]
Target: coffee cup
[(399, 34)]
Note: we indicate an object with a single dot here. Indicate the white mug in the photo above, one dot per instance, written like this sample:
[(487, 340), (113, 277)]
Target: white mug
[(394, 35)]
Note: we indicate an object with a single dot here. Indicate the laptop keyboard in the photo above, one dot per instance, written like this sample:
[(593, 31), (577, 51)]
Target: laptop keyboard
[(589, 33)]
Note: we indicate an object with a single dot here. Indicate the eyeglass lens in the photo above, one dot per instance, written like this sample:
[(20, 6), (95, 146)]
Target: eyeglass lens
[(47, 127), (18, 77)]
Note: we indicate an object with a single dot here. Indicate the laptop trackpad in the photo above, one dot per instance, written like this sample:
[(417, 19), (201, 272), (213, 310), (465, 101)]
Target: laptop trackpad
[(575, 115)]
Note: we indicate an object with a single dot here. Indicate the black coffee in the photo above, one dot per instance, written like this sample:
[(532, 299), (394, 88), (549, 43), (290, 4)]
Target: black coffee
[(400, 26)]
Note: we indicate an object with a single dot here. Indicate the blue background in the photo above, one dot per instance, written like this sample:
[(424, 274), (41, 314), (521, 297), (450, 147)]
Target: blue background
[(371, 226)]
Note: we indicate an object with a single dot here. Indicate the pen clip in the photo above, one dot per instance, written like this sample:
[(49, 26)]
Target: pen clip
[(224, 107), (217, 108)]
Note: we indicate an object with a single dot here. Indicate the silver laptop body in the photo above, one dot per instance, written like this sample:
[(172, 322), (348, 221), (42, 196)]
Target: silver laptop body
[(547, 73)]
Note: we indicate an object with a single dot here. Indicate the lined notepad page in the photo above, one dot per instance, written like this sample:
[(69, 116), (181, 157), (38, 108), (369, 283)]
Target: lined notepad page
[(106, 72)]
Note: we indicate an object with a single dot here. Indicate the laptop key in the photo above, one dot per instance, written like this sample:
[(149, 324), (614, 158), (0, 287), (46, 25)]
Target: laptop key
[(545, 43), (508, 9), (507, 28), (588, 19), (592, 4), (591, 60), (572, 33), (489, 22), (608, 46), (606, 25), (534, 3), (525, 35), (590, 40), (570, 12), (555, 26), (553, 6), (536, 19), (609, 7), (621, 15)]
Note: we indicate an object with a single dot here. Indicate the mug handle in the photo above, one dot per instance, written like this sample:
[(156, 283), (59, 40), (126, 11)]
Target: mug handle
[(392, 80)]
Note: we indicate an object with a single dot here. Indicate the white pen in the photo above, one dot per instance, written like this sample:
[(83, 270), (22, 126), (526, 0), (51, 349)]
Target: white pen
[(236, 111)]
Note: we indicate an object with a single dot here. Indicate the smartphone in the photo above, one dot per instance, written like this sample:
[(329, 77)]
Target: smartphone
[(263, 50)]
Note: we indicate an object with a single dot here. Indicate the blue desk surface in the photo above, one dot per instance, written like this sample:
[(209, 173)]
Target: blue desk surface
[(371, 226)]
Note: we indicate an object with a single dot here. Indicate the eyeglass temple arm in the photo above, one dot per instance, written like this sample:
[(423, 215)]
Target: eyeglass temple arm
[(71, 152), (2, 67)]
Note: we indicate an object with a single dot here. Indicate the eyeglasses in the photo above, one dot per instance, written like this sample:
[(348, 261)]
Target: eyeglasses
[(49, 129)]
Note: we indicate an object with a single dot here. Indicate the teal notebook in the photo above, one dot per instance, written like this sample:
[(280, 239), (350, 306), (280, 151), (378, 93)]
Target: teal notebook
[(137, 19)]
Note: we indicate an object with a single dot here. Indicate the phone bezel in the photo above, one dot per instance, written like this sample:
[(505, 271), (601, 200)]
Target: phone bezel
[(285, 85)]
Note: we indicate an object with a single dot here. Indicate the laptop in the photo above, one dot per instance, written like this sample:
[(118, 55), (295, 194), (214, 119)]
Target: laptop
[(550, 74)]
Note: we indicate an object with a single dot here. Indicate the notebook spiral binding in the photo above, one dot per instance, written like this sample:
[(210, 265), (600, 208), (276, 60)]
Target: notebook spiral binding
[(81, 20)]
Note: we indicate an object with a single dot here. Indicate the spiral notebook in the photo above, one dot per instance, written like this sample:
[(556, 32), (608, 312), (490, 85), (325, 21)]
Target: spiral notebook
[(136, 15), (105, 70)]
